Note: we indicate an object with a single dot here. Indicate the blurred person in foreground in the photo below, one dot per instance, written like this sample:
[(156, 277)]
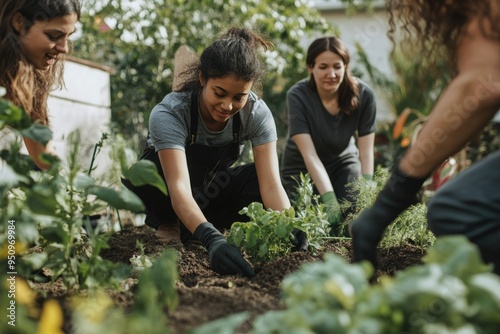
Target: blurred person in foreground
[(469, 204)]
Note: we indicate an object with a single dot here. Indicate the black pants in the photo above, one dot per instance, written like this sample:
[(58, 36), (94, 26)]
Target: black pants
[(342, 172), (230, 191), (469, 205)]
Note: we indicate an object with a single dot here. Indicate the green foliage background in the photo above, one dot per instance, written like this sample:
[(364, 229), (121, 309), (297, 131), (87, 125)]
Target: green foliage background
[(143, 40)]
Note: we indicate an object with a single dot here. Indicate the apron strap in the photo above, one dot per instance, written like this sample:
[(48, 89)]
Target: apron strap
[(194, 121), (236, 126), (194, 117)]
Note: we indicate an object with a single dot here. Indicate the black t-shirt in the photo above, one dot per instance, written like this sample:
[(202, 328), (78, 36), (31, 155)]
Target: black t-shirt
[(333, 136)]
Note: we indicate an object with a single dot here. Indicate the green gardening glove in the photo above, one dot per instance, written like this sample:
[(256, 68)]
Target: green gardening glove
[(335, 217), (370, 183)]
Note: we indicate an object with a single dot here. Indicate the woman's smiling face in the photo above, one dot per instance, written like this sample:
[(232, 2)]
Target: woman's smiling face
[(328, 71), (221, 98), (45, 40)]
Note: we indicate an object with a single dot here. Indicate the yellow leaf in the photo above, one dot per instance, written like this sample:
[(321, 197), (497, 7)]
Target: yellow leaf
[(51, 320), (24, 294), (15, 249)]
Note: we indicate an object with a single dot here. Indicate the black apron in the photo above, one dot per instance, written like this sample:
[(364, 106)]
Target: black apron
[(206, 165), (206, 162)]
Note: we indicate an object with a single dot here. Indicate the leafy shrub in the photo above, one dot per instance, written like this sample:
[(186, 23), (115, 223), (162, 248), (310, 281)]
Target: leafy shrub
[(50, 209), (44, 224), (268, 235), (452, 292), (410, 227)]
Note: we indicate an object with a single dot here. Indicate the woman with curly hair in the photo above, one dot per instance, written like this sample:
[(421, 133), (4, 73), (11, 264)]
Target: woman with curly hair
[(469, 204), (33, 41)]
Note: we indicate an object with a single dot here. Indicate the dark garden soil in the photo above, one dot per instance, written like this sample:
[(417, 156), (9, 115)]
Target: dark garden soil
[(205, 295)]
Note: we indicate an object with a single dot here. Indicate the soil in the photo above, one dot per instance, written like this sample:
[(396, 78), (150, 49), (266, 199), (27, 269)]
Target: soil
[(205, 295)]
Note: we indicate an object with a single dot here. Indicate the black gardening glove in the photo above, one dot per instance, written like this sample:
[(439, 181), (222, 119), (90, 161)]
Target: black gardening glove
[(299, 241), (366, 231), (224, 258)]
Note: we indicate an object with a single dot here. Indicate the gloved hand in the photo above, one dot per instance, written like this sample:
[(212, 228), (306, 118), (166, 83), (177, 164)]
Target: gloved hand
[(370, 183), (368, 177), (366, 231), (299, 241), (224, 258), (333, 208)]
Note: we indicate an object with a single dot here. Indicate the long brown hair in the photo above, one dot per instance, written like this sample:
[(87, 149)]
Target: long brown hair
[(26, 86), (438, 24), (348, 90)]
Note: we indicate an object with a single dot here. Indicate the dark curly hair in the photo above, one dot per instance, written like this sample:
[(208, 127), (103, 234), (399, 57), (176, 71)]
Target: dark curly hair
[(234, 53), (438, 24)]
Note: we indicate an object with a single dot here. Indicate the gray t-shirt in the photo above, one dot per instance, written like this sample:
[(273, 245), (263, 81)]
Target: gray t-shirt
[(170, 122), (333, 136)]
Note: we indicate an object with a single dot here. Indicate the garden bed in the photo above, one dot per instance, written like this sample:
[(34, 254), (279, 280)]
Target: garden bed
[(205, 295)]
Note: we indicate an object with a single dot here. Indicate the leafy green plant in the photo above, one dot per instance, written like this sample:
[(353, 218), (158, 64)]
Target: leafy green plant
[(50, 208), (268, 234), (154, 293), (410, 227), (452, 292), (311, 212), (64, 197)]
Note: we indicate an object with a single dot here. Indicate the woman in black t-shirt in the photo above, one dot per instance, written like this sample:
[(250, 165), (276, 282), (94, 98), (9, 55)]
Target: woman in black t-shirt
[(325, 113)]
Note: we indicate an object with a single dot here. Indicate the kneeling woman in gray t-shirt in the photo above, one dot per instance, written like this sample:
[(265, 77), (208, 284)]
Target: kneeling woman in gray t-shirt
[(196, 135), (325, 113)]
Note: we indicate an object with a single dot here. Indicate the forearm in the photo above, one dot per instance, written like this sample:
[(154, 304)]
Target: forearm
[(366, 156), (466, 106), (319, 175), (187, 209), (367, 162), (267, 168), (35, 150), (274, 197)]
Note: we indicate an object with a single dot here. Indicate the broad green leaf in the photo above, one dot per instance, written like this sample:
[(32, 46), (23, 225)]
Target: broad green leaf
[(9, 178), (145, 172), (38, 132), (227, 325), (255, 211), (281, 228), (164, 274), (457, 255), (54, 234), (263, 250), (12, 115), (41, 200), (236, 235), (35, 260), (119, 199), (266, 218), (94, 207), (484, 299), (83, 181), (252, 234)]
